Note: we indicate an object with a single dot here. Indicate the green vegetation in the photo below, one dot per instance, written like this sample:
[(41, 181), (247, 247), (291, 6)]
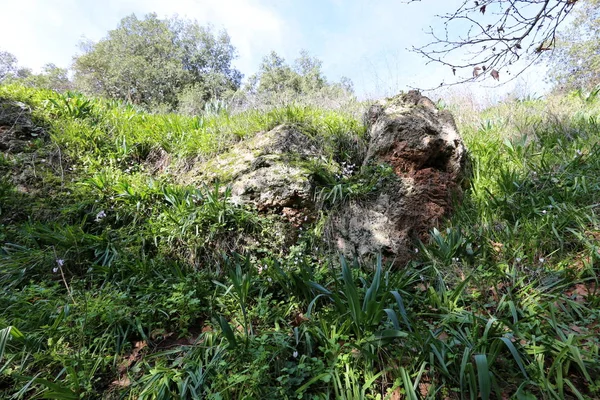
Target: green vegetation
[(277, 83), (151, 62), (575, 63), (117, 282)]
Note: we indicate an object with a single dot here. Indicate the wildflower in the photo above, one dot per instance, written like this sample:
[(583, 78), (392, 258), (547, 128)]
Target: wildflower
[(60, 262), (266, 267), (269, 280), (260, 270), (579, 152), (295, 354), (544, 212), (100, 216), (518, 259), (416, 250), (542, 259)]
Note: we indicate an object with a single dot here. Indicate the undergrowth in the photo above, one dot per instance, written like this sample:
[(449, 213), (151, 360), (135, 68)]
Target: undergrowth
[(120, 283)]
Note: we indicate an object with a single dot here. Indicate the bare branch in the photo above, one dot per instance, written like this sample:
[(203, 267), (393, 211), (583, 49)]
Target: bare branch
[(493, 35)]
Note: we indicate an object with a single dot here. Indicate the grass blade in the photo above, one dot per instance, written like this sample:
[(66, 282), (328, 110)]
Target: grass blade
[(483, 376)]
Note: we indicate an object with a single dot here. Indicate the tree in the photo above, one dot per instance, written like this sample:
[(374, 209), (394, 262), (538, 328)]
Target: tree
[(8, 65), (51, 77), (150, 61), (575, 63), (491, 36), (304, 77)]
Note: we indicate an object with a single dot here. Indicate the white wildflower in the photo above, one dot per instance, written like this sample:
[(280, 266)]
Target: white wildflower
[(100, 216)]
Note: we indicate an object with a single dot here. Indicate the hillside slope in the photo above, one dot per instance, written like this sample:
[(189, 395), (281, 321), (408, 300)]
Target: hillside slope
[(119, 282)]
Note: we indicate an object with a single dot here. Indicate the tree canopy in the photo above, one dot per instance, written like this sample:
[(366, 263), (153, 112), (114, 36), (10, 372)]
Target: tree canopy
[(8, 65), (150, 61), (304, 77), (575, 64)]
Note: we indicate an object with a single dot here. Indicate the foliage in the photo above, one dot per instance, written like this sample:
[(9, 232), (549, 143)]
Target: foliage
[(277, 81), (575, 63), (150, 62), (8, 64), (119, 281), (51, 77)]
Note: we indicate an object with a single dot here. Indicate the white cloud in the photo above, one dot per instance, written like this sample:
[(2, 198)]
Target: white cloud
[(42, 31), (364, 40)]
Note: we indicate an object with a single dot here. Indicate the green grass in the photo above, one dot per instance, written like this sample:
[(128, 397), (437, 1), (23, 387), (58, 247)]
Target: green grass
[(118, 282)]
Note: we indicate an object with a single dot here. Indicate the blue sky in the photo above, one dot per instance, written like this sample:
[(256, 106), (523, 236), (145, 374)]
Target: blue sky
[(365, 40)]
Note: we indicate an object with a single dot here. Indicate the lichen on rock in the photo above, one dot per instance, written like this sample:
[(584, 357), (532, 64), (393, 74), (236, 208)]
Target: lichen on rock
[(267, 171), (430, 161), (276, 172)]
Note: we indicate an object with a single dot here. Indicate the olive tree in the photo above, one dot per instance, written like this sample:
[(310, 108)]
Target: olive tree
[(8, 65), (151, 61), (575, 63), (279, 82)]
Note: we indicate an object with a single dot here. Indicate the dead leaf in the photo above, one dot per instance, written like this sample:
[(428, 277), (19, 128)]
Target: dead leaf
[(454, 71), (395, 395), (580, 292), (495, 245), (482, 9), (299, 319), (576, 328), (495, 74), (424, 389), (476, 72), (122, 382)]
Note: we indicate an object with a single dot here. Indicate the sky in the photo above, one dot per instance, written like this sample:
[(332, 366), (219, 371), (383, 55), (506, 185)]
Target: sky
[(365, 40)]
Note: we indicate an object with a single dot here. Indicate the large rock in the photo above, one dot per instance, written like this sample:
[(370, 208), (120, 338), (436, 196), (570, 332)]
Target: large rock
[(270, 171), (429, 158), (275, 172), (17, 127)]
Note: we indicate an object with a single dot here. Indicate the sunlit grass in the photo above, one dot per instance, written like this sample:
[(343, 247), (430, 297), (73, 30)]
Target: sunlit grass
[(118, 281)]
